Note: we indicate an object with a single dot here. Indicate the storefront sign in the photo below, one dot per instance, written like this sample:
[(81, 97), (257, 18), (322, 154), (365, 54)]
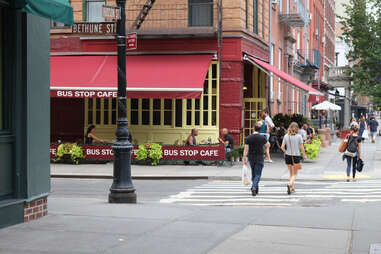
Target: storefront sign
[(111, 12), (82, 94), (132, 41), (94, 28), (169, 152)]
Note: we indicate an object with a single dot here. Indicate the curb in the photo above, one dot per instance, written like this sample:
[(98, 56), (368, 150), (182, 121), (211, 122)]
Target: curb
[(162, 177)]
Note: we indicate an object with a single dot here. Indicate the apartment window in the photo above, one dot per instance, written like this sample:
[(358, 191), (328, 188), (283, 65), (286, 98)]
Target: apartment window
[(200, 12), (255, 16), (94, 10), (280, 68), (247, 13)]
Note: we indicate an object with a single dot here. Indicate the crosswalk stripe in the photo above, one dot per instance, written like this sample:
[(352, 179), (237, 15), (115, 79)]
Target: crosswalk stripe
[(273, 193)]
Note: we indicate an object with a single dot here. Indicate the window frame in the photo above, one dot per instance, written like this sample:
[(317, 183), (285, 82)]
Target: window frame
[(190, 14), (86, 10)]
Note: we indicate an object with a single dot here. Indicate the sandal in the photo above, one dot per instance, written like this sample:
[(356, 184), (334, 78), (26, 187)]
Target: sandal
[(288, 189)]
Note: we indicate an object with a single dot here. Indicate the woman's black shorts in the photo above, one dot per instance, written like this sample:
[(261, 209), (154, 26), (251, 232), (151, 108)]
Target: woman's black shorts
[(290, 160)]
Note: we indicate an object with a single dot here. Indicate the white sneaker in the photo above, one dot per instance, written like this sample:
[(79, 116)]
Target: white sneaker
[(269, 161)]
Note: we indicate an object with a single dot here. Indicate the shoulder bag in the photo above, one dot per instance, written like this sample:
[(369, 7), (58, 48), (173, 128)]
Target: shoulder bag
[(343, 146), (297, 166)]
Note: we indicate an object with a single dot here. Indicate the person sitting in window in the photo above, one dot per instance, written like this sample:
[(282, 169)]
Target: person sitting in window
[(90, 136)]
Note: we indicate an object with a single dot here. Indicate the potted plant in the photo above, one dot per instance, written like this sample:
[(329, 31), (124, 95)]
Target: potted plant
[(312, 148), (69, 153), (150, 152)]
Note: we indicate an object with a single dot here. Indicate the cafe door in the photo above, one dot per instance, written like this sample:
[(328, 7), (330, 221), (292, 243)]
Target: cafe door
[(252, 109)]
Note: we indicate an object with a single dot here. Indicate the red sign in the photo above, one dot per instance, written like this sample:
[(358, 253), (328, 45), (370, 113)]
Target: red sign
[(169, 152), (132, 41), (83, 94), (315, 98)]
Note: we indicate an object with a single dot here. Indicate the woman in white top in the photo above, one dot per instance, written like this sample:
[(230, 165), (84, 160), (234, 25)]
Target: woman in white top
[(291, 146)]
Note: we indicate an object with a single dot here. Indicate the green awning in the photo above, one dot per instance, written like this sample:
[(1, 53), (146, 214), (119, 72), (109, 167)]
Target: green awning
[(58, 10)]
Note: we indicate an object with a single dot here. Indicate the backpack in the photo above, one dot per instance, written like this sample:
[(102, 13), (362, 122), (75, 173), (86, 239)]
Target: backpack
[(352, 144)]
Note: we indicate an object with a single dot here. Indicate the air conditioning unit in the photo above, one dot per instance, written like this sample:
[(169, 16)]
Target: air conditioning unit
[(317, 32), (310, 16), (274, 1), (323, 40)]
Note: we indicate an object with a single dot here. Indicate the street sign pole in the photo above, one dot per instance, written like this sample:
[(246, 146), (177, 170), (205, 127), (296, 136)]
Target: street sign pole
[(122, 189)]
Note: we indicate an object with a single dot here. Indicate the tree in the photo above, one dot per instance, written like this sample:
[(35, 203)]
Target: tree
[(362, 32)]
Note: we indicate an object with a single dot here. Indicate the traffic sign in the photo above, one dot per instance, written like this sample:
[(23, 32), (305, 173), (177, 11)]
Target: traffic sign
[(132, 41), (111, 12)]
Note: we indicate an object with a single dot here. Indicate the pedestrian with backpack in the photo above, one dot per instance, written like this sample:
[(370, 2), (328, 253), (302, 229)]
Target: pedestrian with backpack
[(353, 152)]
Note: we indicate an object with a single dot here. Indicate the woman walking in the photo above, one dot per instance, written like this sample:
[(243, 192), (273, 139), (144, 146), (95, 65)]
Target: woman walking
[(363, 126), (353, 151), (292, 145)]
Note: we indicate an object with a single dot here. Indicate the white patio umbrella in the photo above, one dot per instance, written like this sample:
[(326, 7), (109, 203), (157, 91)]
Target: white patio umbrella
[(326, 105)]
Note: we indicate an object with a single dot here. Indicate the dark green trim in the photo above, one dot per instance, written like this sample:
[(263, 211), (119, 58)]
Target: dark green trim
[(11, 212), (255, 16), (84, 10)]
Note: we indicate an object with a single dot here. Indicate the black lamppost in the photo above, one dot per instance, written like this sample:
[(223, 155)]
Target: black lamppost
[(122, 190)]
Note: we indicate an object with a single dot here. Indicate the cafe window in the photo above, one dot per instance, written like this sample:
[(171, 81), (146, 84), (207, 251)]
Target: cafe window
[(173, 113), (94, 10), (200, 12)]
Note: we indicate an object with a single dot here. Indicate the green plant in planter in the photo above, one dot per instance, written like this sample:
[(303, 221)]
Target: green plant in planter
[(150, 151), (312, 148), (72, 150)]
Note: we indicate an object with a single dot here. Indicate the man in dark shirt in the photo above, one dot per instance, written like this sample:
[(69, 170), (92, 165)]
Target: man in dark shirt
[(227, 140), (373, 125), (254, 152)]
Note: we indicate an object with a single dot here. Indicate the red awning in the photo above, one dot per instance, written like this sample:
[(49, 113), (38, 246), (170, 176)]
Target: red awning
[(148, 76), (286, 77)]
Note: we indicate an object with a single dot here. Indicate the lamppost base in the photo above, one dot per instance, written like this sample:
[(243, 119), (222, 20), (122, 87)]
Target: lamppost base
[(122, 197)]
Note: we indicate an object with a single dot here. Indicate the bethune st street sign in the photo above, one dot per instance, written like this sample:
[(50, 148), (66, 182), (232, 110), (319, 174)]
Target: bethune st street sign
[(111, 12), (94, 28)]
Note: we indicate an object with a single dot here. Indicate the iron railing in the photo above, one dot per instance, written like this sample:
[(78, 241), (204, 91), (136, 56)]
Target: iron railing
[(296, 15), (308, 57)]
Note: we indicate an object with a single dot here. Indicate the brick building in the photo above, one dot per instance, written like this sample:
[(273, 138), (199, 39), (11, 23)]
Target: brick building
[(235, 52)]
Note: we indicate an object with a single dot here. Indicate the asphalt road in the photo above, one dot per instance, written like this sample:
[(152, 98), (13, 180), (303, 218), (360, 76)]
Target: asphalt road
[(230, 193), (147, 190), (200, 216)]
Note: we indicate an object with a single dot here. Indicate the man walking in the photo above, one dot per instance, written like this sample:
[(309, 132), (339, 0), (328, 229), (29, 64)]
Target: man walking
[(373, 125), (254, 152)]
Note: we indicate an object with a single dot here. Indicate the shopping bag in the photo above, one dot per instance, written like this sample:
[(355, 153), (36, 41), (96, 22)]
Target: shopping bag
[(360, 165), (245, 175), (343, 146), (365, 134)]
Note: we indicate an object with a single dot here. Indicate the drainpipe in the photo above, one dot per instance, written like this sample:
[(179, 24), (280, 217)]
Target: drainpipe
[(270, 43)]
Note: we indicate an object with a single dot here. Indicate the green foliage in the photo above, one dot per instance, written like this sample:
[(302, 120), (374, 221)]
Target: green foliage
[(238, 152), (73, 150), (312, 148), (362, 32), (286, 120), (150, 151)]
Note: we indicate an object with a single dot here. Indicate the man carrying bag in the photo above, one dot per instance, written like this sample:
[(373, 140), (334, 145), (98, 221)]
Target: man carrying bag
[(254, 152)]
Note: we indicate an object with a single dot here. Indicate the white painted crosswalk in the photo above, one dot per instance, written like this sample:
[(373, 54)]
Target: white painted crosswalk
[(272, 193)]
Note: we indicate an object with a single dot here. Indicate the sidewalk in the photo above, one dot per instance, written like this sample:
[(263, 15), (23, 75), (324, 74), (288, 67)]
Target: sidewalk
[(328, 166)]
